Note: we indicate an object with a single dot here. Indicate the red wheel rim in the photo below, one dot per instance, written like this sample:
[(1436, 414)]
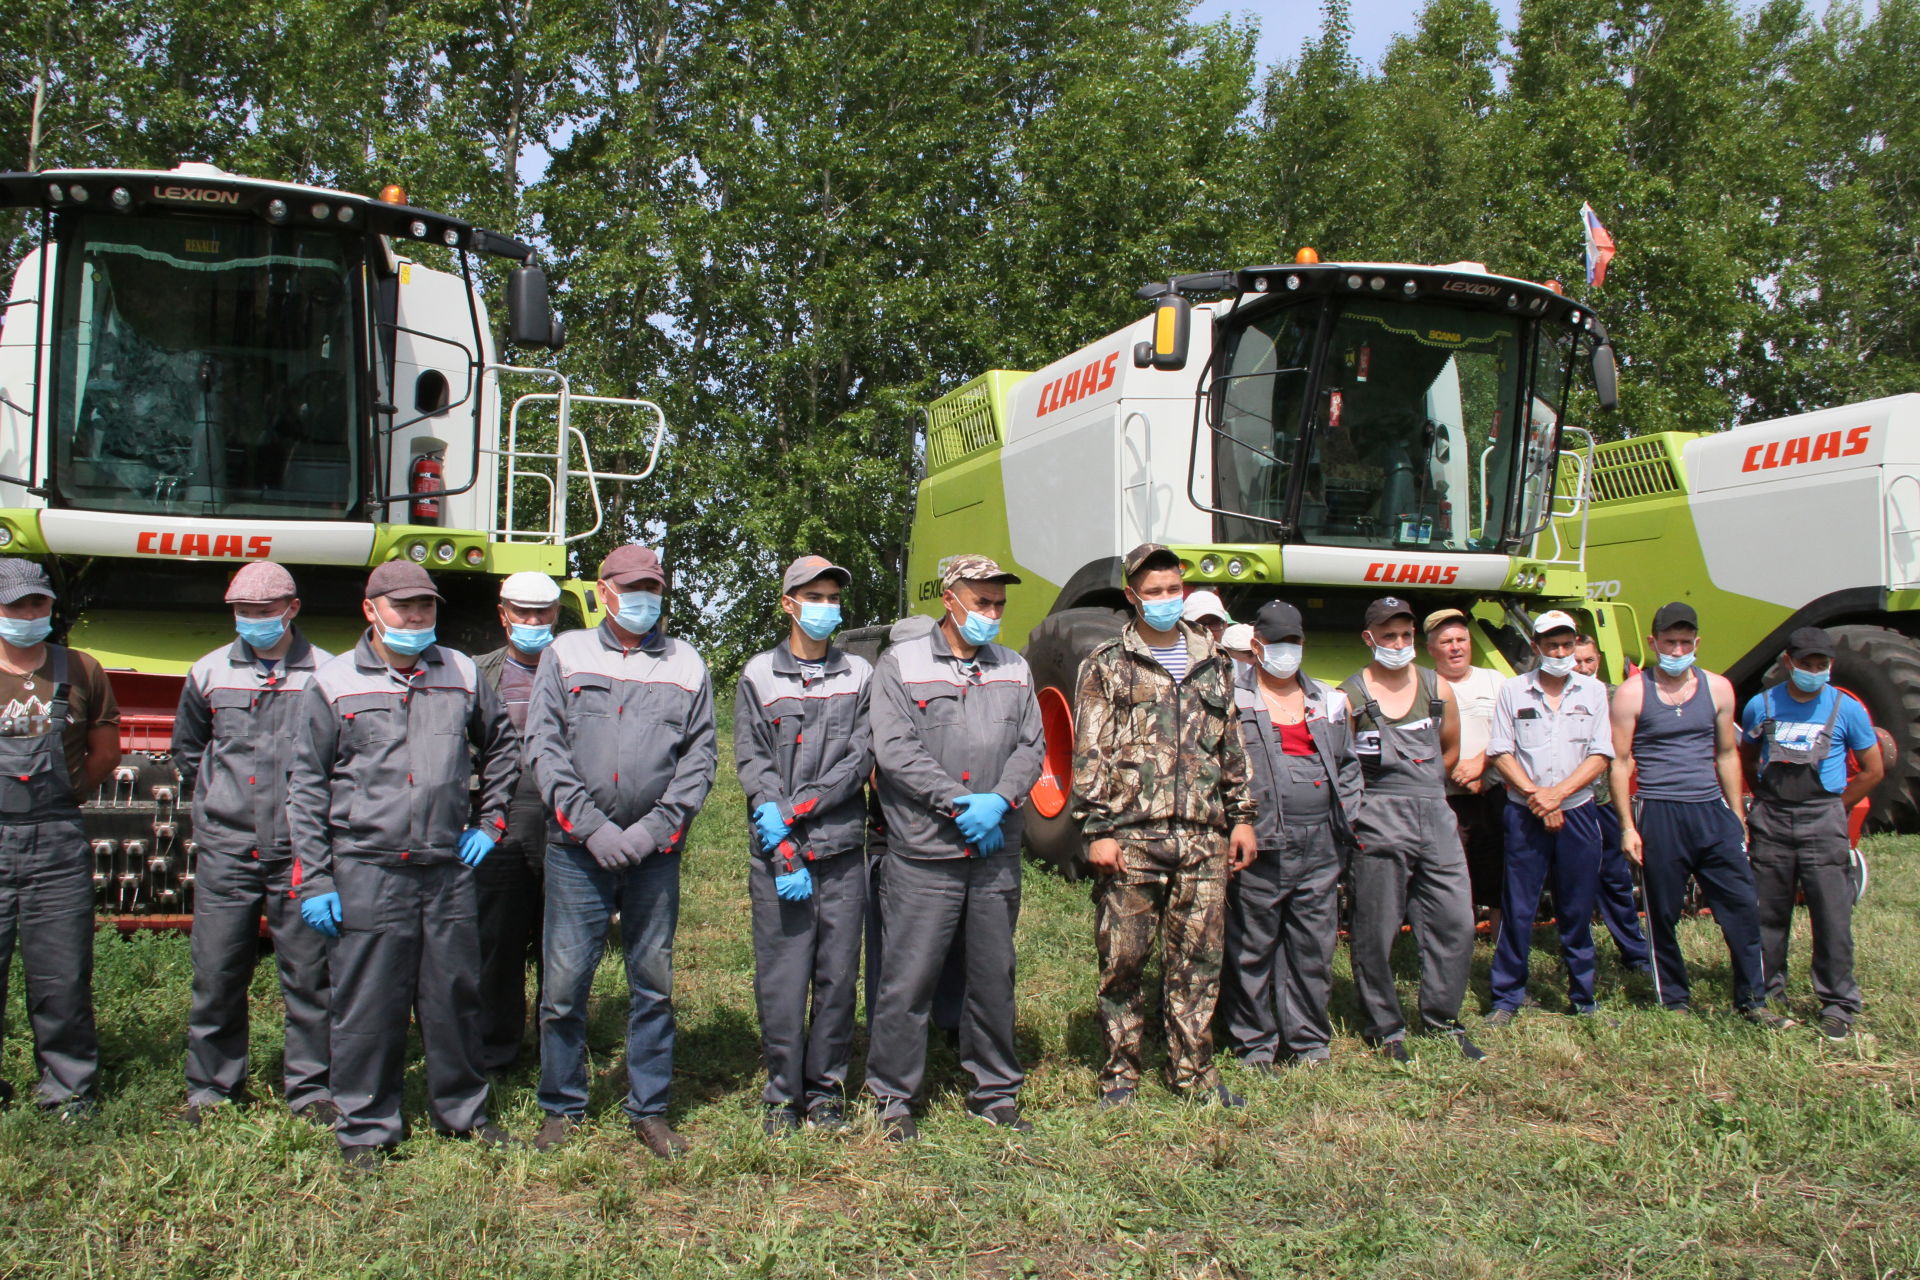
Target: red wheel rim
[(1049, 795)]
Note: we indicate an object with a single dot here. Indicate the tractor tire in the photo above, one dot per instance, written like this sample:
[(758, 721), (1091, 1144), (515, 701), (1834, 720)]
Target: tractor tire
[(1055, 650), (1881, 667)]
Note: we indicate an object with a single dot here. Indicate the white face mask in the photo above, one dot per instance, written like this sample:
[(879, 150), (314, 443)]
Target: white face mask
[(1392, 659), (1281, 660), (1557, 666)]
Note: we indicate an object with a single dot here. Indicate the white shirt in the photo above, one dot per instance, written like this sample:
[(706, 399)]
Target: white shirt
[(1474, 695)]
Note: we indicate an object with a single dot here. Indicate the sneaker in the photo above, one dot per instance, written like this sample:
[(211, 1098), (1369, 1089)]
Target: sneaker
[(1004, 1115), (657, 1137), (1117, 1098), (828, 1116), (72, 1111), (489, 1135), (1219, 1096), (1500, 1018), (1835, 1028), (1761, 1016), (193, 1113), (779, 1121), (324, 1114), (1395, 1050), (362, 1162), (1306, 1062), (555, 1132), (1468, 1049), (900, 1128)]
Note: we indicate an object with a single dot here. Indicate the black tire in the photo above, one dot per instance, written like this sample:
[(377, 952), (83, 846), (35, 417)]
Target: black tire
[(1055, 650), (1881, 667)]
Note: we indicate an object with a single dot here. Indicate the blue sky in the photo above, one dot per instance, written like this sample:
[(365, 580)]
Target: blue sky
[(1285, 27)]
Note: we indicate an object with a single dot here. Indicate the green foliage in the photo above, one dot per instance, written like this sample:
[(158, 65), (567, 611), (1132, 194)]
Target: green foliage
[(793, 222)]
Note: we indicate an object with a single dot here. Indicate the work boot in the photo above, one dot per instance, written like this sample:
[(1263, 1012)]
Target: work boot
[(555, 1132), (323, 1114), (900, 1128), (779, 1121), (656, 1136), (829, 1115), (363, 1162), (1005, 1115)]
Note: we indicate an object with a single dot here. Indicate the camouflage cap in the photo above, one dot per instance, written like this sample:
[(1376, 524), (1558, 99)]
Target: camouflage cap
[(973, 569), (1150, 555), (261, 582)]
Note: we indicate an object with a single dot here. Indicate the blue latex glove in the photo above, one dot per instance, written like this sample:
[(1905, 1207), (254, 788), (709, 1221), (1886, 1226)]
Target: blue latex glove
[(993, 842), (475, 844), (979, 813), (322, 913), (795, 886), (767, 821)]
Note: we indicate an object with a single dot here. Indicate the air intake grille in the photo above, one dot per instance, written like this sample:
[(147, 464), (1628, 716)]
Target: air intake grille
[(1634, 469), (960, 424)]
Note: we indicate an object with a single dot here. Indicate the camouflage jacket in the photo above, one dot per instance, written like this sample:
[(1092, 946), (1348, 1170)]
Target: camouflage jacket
[(1147, 750)]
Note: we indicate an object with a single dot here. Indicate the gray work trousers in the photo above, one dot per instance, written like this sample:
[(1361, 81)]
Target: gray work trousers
[(1283, 923), (46, 904), (1410, 868), (923, 904), (409, 943), (231, 892), (1805, 846), (807, 954)]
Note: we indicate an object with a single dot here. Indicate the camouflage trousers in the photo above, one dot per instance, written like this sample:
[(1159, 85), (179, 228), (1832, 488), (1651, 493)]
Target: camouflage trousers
[(1172, 881)]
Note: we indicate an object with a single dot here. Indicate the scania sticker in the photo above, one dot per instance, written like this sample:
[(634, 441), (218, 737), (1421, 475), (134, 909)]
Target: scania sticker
[(1812, 448), (196, 195), (1077, 385), (1440, 575), (212, 546)]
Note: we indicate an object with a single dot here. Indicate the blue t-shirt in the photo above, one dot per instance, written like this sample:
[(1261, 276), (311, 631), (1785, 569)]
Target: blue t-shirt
[(1797, 723)]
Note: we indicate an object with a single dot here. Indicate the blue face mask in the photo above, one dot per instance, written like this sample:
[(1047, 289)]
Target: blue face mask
[(1162, 615), (260, 633), (639, 610), (1809, 681), (819, 620), (530, 639), (406, 642), (1676, 666), (24, 633), (978, 629)]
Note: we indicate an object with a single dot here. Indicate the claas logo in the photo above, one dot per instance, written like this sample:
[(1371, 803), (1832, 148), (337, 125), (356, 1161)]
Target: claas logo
[(1077, 385), (1813, 448), (1437, 575), (209, 546)]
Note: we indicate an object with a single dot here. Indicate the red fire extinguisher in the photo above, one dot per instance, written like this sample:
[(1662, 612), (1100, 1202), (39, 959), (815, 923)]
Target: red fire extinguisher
[(425, 479)]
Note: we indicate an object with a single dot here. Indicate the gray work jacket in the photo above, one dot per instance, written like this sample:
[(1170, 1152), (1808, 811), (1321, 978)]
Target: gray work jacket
[(1330, 723), (622, 735), (233, 738), (527, 813), (807, 746), (383, 762), (938, 734)]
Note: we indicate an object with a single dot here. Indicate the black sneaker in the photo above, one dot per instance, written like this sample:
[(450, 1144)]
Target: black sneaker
[(1395, 1050), (1219, 1096), (658, 1137), (362, 1162), (1117, 1098), (779, 1121), (1468, 1049), (1500, 1018), (1003, 1115), (1681, 1007), (900, 1128), (555, 1132), (1306, 1062), (1835, 1029), (828, 1116), (193, 1113), (489, 1135), (323, 1114), (72, 1111), (1761, 1016)]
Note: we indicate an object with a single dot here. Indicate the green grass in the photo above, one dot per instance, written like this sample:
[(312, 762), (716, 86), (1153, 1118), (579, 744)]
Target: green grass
[(1693, 1146)]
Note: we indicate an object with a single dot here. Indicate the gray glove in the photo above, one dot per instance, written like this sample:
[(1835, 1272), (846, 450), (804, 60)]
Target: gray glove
[(644, 845), (612, 849)]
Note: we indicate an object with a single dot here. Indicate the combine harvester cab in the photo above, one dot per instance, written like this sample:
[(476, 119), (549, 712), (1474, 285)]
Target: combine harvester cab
[(1811, 520), (1323, 432), (198, 370)]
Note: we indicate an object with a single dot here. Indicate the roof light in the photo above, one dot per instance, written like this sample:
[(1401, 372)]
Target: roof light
[(393, 193), (475, 555), (277, 210), (344, 213), (451, 236), (1409, 288), (78, 192), (1354, 282), (418, 228), (1293, 282), (319, 211), (1557, 287), (122, 198), (1378, 283), (55, 192), (1307, 255), (1261, 285)]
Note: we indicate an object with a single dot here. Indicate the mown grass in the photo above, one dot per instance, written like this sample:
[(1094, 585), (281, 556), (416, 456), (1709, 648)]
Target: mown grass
[(1690, 1146)]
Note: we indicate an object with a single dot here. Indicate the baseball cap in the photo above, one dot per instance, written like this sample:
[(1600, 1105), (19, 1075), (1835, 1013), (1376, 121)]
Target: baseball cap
[(810, 568), (1810, 642), (1388, 607), (1676, 614), (631, 565), (1554, 620), (1150, 555), (1440, 617), (973, 569), (261, 582), (1238, 638), (1205, 604), (529, 589), (1276, 621), (400, 580), (21, 578)]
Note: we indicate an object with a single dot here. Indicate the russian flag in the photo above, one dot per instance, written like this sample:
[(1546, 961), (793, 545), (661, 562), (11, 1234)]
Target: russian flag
[(1599, 247)]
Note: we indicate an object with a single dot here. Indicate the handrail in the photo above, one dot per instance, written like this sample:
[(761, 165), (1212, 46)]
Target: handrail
[(567, 436)]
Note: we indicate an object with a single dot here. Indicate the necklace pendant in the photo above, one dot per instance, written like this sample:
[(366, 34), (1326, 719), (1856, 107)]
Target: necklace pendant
[(26, 684)]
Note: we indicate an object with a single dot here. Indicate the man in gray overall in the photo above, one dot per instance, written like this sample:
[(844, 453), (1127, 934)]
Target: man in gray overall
[(59, 740), (1283, 910), (958, 744), (377, 810), (1410, 865), (1799, 733), (1674, 724), (233, 738), (804, 749)]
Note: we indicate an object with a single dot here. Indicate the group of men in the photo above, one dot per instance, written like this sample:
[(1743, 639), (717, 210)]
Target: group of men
[(418, 827)]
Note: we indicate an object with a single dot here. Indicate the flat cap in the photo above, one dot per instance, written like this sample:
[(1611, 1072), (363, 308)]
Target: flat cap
[(529, 589), (632, 564), (810, 569), (400, 580), (21, 578), (1440, 617), (973, 569), (261, 582)]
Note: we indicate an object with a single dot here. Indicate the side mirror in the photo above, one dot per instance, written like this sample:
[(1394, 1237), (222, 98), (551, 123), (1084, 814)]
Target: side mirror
[(530, 320), (1172, 325), (1606, 378)]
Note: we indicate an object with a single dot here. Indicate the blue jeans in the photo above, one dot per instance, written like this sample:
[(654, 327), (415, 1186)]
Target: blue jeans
[(582, 898), (1571, 856)]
